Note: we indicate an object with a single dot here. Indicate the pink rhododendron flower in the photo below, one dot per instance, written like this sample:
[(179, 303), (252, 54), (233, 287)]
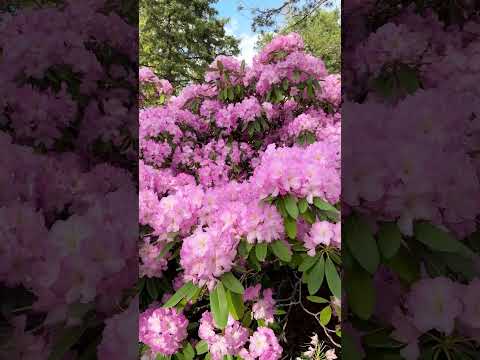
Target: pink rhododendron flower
[(162, 329)]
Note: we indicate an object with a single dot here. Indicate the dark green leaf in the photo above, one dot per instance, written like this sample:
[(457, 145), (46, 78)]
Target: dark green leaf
[(152, 288), (350, 348), (291, 206), (315, 276), (232, 283), (389, 239), (290, 227), (359, 239), (281, 250), (323, 205), (308, 262), (360, 293), (261, 251), (244, 248), (201, 347), (219, 306), (181, 293), (302, 205), (439, 240), (404, 265), (235, 305), (333, 279), (68, 338)]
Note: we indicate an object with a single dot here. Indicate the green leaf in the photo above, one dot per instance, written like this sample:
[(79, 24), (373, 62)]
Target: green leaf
[(333, 279), (291, 206), (166, 249), (152, 288), (201, 347), (281, 251), (244, 248), (67, 339), (185, 291), (323, 205), (361, 243), (188, 352), (290, 227), (350, 348), (232, 283), (235, 305), (408, 79), (308, 262), (261, 251), (389, 240), (317, 299), (315, 276), (219, 306), (404, 265), (310, 138), (247, 319), (439, 240), (231, 95), (302, 205), (192, 294), (310, 90), (309, 216), (381, 339), (325, 315), (163, 357), (360, 293), (253, 261), (278, 94)]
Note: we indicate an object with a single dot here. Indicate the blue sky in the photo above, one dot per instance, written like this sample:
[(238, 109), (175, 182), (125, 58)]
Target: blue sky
[(240, 22)]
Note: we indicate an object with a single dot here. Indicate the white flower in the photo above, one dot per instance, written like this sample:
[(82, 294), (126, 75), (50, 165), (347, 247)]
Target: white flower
[(330, 354)]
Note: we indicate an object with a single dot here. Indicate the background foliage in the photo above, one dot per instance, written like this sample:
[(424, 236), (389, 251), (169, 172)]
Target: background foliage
[(179, 38)]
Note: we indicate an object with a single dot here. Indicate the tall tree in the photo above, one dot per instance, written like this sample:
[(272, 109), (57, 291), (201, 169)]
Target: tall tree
[(178, 38), (265, 18), (321, 33)]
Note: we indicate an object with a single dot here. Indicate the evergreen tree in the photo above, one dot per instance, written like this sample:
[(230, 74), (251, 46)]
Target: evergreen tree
[(179, 38)]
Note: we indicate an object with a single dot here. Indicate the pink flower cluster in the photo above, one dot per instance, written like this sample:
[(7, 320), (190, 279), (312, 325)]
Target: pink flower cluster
[(207, 254), (220, 345), (118, 332), (323, 233), (67, 221), (72, 33), (163, 330), (313, 171), (263, 308), (263, 345), (437, 304), (413, 182), (209, 157), (281, 44), (146, 75)]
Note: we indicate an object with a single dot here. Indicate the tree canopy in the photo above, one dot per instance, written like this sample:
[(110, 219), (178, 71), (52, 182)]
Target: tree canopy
[(178, 38)]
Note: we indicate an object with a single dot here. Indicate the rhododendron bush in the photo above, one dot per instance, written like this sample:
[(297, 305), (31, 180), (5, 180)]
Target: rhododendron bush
[(411, 185), (239, 208)]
